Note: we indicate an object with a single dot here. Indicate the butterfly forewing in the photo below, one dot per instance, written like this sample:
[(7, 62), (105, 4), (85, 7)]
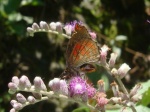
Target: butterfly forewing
[(81, 48)]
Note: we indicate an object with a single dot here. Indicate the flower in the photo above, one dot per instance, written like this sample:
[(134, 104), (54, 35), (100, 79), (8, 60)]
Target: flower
[(54, 84), (59, 86), (112, 60), (101, 99), (69, 27), (103, 54), (39, 84), (101, 86), (115, 89), (135, 89), (78, 88), (52, 26), (21, 99), (122, 71), (90, 91), (24, 82), (93, 35)]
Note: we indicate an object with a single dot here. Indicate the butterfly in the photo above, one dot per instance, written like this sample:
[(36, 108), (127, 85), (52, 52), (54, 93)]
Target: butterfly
[(82, 51)]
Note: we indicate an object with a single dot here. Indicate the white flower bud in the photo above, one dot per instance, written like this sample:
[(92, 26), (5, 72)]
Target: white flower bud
[(112, 60), (35, 26), (15, 80), (12, 102), (122, 71), (114, 72), (135, 89), (44, 25), (39, 84), (24, 82), (17, 106), (12, 110), (55, 84), (59, 27), (12, 87), (68, 29), (115, 89), (21, 98), (64, 87), (52, 26), (30, 31), (103, 54), (31, 99), (116, 100)]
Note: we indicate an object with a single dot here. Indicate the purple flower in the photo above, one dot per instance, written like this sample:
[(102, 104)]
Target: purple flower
[(69, 27), (78, 88), (90, 91), (101, 99), (92, 34)]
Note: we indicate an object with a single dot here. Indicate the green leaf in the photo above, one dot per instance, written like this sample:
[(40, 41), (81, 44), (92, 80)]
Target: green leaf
[(12, 6), (146, 93), (145, 87), (145, 99), (139, 108), (82, 109)]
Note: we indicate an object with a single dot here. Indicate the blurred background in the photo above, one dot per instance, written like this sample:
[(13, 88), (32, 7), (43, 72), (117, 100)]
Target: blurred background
[(121, 24)]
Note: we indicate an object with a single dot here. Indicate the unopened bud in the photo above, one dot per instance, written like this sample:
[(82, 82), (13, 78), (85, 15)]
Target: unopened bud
[(21, 98), (39, 84), (12, 110), (112, 60), (101, 86), (30, 31), (64, 87), (55, 84), (115, 89), (31, 99), (103, 54), (15, 80), (52, 26), (122, 71), (12, 102), (59, 27), (24, 82), (12, 88), (135, 89), (114, 72), (93, 35), (116, 100), (17, 106), (68, 29), (44, 25), (35, 26)]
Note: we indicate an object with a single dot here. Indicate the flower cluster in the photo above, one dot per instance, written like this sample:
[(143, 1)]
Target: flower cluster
[(56, 28), (75, 88)]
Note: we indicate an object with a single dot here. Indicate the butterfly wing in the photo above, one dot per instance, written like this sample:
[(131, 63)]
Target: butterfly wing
[(81, 48)]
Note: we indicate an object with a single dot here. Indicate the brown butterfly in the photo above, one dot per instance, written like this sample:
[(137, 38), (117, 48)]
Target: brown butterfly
[(81, 52)]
